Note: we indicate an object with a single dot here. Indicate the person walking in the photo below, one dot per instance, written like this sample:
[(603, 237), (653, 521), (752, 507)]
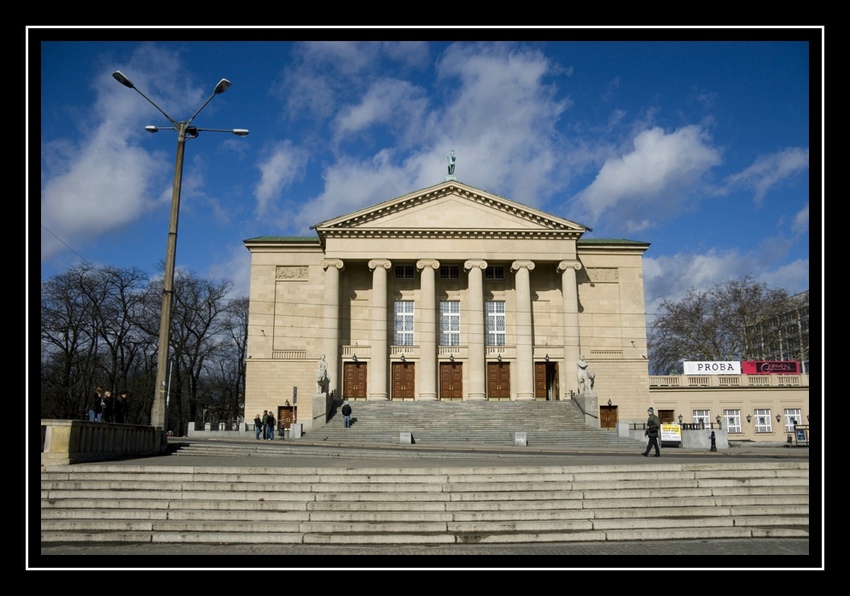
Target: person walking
[(258, 426), (652, 426), (713, 438), (346, 415)]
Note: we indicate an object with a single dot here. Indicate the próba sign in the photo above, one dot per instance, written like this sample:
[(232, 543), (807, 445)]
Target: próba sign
[(713, 368)]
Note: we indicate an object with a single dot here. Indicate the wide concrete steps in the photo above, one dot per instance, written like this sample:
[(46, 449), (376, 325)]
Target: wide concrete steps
[(545, 424), (443, 504)]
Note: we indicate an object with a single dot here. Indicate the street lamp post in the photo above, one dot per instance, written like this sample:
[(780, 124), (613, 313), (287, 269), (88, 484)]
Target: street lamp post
[(184, 131)]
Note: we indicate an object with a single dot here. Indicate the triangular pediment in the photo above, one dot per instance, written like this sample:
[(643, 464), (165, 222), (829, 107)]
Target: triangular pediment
[(450, 207)]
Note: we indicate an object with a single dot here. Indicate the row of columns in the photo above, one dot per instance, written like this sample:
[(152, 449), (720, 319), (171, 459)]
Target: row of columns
[(377, 381)]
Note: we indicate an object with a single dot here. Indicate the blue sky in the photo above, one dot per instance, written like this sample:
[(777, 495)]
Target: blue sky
[(700, 148)]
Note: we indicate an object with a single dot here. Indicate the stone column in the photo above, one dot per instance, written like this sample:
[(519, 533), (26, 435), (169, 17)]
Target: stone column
[(330, 342), (378, 362), (428, 329), (569, 291), (477, 329), (524, 334)]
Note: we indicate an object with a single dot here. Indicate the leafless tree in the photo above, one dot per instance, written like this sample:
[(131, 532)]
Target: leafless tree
[(100, 326), (715, 324)]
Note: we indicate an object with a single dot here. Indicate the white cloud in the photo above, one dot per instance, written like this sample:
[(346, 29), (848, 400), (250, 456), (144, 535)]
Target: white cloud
[(498, 115), (768, 171), (395, 105), (657, 179), (282, 166), (351, 185), (801, 221), (105, 186)]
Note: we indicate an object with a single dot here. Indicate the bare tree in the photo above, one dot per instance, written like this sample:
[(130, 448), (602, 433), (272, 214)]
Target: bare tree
[(715, 324), (89, 337), (198, 321), (100, 326)]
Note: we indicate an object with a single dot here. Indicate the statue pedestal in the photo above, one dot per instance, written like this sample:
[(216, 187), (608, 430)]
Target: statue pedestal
[(321, 408), (588, 403)]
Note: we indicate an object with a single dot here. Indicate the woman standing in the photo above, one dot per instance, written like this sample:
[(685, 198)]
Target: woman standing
[(258, 426)]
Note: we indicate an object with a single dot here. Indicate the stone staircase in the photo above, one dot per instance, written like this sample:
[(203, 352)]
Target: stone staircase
[(545, 424), (440, 503)]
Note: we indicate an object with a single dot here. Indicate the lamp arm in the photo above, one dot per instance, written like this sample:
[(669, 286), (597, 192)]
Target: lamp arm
[(161, 111), (198, 111)]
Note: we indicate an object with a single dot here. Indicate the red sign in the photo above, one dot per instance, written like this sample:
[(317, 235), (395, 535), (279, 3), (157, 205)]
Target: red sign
[(770, 367)]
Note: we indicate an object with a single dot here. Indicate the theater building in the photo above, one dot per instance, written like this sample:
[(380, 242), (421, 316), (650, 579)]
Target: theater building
[(447, 293)]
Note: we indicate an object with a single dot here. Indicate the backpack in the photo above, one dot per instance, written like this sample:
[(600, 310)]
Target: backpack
[(346, 410)]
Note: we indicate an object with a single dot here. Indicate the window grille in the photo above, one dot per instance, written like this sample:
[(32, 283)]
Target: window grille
[(449, 323), (404, 271), (403, 335), (495, 323), (494, 272), (733, 421), (763, 421), (449, 272)]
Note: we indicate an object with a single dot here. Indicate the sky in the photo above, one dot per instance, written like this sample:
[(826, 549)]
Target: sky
[(699, 147)]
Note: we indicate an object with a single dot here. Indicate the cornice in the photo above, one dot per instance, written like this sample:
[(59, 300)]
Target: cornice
[(504, 234), (494, 202)]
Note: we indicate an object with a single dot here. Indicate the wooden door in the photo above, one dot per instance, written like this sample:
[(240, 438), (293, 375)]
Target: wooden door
[(608, 417), (286, 416), (404, 378), (498, 380), (451, 380), (541, 389), (546, 380), (354, 380)]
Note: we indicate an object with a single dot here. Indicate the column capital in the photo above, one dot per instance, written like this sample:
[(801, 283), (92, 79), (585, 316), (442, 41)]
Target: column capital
[(522, 265), (375, 263), (423, 263), (475, 264), (338, 263), (564, 265)]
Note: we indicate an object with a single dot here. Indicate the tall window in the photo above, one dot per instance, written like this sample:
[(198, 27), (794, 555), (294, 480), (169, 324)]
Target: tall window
[(449, 323), (702, 417), (403, 335), (792, 417), (763, 421), (495, 323), (733, 420)]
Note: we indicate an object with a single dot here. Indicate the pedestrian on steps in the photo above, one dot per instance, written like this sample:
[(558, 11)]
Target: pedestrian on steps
[(652, 426), (346, 415)]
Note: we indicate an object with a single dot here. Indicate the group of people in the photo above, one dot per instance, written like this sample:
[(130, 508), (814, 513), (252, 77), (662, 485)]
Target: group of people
[(104, 408), (264, 426)]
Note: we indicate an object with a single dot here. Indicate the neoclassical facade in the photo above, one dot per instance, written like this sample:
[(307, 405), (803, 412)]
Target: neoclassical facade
[(447, 293)]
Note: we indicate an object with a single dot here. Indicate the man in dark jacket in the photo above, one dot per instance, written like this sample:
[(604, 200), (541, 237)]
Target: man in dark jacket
[(120, 407), (653, 424), (346, 415)]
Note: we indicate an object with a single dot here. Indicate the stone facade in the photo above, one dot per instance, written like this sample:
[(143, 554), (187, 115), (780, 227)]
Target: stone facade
[(446, 293)]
